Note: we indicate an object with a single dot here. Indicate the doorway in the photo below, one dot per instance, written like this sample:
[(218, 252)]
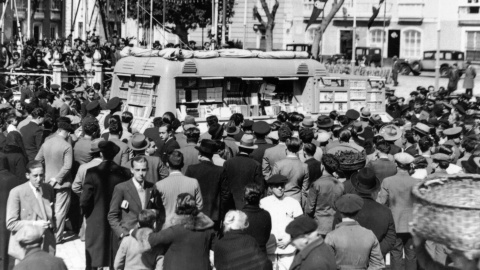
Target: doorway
[(393, 43), (346, 43)]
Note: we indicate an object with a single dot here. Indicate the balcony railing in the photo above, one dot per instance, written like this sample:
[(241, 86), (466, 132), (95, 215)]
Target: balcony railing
[(410, 11)]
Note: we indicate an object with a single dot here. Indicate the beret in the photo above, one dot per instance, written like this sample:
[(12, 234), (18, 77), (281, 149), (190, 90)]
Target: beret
[(277, 179), (349, 203), (261, 127), (403, 158), (108, 147), (30, 234), (92, 105), (300, 226), (453, 131), (440, 157), (113, 103), (65, 126)]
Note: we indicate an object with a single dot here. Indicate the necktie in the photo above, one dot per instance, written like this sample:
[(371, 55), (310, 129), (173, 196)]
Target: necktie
[(141, 193), (40, 202)]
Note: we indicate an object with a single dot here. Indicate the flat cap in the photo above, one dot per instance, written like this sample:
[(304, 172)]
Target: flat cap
[(55, 86), (113, 103), (30, 234), (352, 114), (261, 127), (441, 157), (349, 203), (455, 131), (92, 105), (277, 179), (247, 123), (300, 226), (403, 158)]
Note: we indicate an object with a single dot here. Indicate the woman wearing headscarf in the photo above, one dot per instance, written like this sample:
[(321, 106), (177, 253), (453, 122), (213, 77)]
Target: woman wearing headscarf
[(16, 155), (188, 242)]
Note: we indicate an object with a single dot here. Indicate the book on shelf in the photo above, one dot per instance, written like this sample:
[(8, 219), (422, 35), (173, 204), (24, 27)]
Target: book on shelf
[(326, 107), (218, 94), (341, 96), (326, 96), (341, 106), (181, 95)]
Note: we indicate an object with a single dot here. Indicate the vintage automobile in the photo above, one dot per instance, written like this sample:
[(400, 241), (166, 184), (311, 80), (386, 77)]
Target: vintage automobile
[(299, 47), (447, 59), (371, 54)]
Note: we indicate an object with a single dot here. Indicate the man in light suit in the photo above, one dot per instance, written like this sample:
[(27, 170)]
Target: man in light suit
[(57, 154), (129, 198), (276, 153), (295, 171), (32, 203), (396, 192)]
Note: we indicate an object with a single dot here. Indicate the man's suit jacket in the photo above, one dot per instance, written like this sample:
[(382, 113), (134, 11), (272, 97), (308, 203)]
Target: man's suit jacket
[(167, 148), (65, 110), (57, 154), (214, 186), (103, 103), (190, 156), (271, 156), (157, 170), (23, 208), (314, 170), (122, 156), (122, 220), (7, 182), (242, 170), (383, 168), (32, 135), (95, 198), (40, 260), (396, 193), (25, 93), (297, 175), (258, 153)]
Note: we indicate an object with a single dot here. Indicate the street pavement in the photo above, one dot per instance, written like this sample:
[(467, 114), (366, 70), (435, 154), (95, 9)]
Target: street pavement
[(73, 250)]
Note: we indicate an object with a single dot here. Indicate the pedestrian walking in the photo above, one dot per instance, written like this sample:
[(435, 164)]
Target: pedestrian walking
[(469, 81)]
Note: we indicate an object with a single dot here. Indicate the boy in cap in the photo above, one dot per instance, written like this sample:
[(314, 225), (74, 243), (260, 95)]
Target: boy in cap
[(355, 247), (313, 253), (396, 192), (283, 210)]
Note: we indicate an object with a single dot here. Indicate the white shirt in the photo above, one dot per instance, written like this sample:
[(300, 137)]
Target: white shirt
[(282, 212), (454, 169), (34, 189), (420, 174), (139, 187)]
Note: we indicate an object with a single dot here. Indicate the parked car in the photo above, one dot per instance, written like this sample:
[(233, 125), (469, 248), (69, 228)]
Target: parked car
[(447, 59), (371, 54), (299, 47)]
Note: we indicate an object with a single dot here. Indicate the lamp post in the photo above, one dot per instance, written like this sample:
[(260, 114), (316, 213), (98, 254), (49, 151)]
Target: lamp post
[(354, 35)]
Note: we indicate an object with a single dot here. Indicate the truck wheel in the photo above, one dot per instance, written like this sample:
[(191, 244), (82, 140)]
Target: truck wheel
[(405, 70), (444, 71)]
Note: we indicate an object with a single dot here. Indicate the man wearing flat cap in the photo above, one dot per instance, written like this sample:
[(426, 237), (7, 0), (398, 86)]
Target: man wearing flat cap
[(260, 129), (396, 192), (313, 253), (97, 192), (440, 164), (57, 154), (355, 247), (282, 210), (30, 238)]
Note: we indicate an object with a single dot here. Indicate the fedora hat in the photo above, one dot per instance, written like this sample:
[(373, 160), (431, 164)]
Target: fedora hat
[(247, 141), (307, 123), (207, 147), (376, 119), (138, 142), (323, 121), (365, 113), (422, 128), (365, 181), (391, 132), (231, 129)]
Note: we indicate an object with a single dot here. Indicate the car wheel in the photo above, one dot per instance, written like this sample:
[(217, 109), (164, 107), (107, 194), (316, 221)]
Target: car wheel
[(416, 66), (444, 71), (405, 70)]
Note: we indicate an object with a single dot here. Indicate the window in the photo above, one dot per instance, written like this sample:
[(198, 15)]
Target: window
[(429, 55), (448, 56), (412, 44), (473, 45), (376, 38), (473, 1), (56, 4), (473, 10)]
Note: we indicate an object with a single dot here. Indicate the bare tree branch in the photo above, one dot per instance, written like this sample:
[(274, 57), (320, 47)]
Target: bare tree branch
[(275, 8), (258, 16), (337, 4), (266, 9)]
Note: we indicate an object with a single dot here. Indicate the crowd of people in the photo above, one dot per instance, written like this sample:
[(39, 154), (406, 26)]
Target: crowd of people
[(299, 193)]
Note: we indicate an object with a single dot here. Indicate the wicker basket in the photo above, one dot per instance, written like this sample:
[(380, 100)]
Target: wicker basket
[(447, 210)]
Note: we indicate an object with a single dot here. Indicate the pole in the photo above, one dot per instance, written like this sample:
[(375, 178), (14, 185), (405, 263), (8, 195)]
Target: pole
[(224, 21), (3, 22), (212, 31), (437, 54), (384, 34), (138, 25), (151, 24), (85, 19), (29, 16), (216, 22), (164, 14), (354, 34), (18, 23), (126, 15), (245, 24)]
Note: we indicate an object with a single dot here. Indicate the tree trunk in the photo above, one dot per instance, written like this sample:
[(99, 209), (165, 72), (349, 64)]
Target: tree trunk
[(269, 37), (269, 24), (337, 4), (182, 33)]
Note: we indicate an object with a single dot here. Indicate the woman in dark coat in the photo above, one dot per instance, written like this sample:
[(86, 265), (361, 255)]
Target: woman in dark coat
[(189, 240), (238, 250), (16, 155), (259, 219)]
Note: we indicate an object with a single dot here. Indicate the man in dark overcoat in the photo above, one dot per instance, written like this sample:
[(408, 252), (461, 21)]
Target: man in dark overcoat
[(97, 192), (7, 182), (213, 182)]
